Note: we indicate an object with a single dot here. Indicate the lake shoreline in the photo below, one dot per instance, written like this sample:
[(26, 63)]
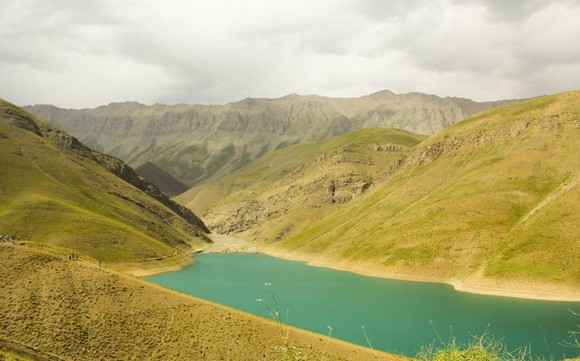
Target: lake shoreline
[(477, 283), (221, 243), (399, 316), (129, 318)]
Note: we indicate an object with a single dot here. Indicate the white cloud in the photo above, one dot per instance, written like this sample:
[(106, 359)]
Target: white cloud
[(95, 52)]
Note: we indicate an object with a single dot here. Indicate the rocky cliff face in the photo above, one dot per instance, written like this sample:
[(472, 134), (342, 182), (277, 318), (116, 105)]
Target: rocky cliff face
[(196, 143)]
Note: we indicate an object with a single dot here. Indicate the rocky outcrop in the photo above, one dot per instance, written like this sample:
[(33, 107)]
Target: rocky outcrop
[(328, 181), (127, 173), (18, 120)]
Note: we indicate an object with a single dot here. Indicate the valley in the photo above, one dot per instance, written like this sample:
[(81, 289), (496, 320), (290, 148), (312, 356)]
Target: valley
[(487, 205), (290, 180), (76, 224)]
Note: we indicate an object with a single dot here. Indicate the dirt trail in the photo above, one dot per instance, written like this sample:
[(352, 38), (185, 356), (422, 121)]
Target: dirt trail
[(227, 244), (563, 188)]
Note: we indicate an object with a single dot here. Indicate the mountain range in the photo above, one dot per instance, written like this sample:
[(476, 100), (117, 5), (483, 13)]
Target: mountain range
[(199, 143), (488, 199)]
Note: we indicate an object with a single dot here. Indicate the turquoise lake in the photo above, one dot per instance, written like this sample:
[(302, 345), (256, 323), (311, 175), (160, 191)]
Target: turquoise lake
[(397, 316)]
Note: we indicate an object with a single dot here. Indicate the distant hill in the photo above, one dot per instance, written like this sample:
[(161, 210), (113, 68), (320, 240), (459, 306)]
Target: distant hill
[(165, 181), (57, 191), (197, 143), (494, 197), (284, 191)]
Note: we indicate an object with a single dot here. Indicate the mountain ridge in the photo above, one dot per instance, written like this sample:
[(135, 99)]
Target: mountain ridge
[(57, 190), (197, 143)]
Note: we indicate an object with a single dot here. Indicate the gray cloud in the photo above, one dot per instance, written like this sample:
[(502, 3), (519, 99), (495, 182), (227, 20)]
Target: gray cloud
[(95, 52), (513, 10), (379, 10)]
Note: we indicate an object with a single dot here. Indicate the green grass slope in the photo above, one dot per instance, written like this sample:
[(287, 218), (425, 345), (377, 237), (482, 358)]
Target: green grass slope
[(55, 190), (495, 196), (284, 192)]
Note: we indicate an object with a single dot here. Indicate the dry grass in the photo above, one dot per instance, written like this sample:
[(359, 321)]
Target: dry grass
[(77, 310)]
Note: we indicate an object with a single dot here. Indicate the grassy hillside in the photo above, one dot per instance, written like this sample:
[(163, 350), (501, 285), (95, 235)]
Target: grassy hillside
[(261, 174), (495, 196), (284, 192), (57, 309), (55, 190)]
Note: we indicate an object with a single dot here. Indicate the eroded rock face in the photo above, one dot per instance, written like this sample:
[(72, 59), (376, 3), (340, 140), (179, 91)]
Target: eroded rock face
[(197, 143), (329, 180)]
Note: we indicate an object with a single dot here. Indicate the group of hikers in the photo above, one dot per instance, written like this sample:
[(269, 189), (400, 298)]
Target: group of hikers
[(9, 238)]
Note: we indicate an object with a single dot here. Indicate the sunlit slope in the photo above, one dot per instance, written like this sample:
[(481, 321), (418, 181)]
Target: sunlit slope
[(286, 191), (55, 190), (63, 310), (495, 195)]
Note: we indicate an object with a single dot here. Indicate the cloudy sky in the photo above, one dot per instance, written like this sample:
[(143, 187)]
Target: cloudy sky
[(86, 53)]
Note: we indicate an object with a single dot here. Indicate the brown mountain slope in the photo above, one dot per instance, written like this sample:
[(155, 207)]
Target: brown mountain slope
[(196, 143)]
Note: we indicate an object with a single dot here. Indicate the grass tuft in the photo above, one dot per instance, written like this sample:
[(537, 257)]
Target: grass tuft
[(481, 348)]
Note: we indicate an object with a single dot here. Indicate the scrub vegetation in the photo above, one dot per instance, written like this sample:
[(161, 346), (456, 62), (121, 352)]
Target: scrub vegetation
[(479, 349)]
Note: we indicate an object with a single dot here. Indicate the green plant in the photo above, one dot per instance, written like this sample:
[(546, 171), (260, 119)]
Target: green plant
[(574, 334), (480, 348), (290, 352), (6, 355)]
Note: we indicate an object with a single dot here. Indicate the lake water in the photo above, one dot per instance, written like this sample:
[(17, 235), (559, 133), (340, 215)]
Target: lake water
[(397, 316)]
